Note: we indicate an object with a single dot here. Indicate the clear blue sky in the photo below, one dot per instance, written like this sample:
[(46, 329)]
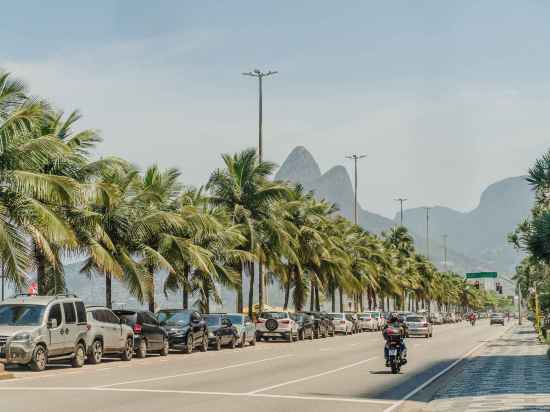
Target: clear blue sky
[(444, 97)]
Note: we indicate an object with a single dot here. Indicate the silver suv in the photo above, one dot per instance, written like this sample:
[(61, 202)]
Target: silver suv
[(36, 329), (108, 335)]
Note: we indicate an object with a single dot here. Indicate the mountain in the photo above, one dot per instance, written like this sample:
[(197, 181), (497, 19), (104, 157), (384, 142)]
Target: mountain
[(476, 240)]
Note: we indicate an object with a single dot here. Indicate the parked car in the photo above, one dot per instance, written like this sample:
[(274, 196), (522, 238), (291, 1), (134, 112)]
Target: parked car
[(379, 318), (497, 319), (107, 335), (341, 323), (306, 325), (186, 329), (367, 322), (221, 331), (418, 326), (149, 335), (276, 325), (436, 318), (353, 318), (323, 326), (245, 328), (37, 329)]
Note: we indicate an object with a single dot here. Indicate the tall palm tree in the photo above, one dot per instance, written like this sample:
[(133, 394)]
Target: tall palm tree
[(243, 189)]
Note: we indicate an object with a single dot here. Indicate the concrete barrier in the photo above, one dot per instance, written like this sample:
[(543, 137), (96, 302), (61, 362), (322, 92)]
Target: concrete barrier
[(3, 373)]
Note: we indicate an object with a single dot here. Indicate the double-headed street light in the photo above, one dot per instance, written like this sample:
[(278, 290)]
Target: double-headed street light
[(260, 75), (355, 158)]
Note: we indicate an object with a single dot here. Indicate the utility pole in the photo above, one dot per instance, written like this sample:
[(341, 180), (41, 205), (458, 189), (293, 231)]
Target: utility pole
[(428, 232), (355, 158), (260, 75), (445, 250), (401, 200)]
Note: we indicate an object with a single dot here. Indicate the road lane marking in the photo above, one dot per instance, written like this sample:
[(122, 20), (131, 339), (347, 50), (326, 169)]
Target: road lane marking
[(199, 372), (306, 378), (441, 373), (203, 393)]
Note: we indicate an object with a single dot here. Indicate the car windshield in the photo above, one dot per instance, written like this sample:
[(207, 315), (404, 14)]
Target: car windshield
[(274, 315), (174, 317), (415, 319), (214, 320), (235, 319), (367, 316), (21, 315), (337, 315)]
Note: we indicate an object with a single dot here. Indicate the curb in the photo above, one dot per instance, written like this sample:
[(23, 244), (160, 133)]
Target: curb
[(3, 374)]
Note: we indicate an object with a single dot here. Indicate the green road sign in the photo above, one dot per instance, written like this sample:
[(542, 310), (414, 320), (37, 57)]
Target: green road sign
[(480, 275)]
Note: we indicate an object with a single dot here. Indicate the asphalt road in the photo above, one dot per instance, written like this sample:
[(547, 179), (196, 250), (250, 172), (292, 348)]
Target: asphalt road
[(345, 373)]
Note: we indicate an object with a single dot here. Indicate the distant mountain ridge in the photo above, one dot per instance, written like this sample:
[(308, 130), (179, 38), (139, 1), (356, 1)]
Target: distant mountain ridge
[(476, 239)]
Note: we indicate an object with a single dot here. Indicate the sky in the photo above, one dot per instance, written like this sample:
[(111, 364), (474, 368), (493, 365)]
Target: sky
[(444, 98)]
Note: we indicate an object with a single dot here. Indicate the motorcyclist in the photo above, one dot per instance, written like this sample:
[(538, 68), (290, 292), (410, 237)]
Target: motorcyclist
[(394, 323), (472, 318)]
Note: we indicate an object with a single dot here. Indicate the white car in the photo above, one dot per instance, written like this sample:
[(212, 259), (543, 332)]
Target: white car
[(367, 322), (341, 323), (276, 325), (379, 318)]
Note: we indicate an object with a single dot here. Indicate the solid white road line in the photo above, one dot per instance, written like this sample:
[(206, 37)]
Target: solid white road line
[(199, 372), (306, 378), (441, 373), (203, 393)]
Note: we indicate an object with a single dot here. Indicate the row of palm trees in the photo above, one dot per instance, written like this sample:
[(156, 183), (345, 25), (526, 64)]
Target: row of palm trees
[(532, 236), (58, 201)]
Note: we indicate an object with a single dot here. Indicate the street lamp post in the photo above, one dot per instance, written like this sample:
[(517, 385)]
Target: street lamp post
[(401, 200), (355, 158), (260, 75)]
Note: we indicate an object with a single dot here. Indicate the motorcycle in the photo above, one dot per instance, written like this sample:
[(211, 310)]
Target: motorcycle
[(395, 355), (473, 322)]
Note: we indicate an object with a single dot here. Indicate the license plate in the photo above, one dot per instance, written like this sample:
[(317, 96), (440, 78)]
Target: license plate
[(270, 334), (393, 352)]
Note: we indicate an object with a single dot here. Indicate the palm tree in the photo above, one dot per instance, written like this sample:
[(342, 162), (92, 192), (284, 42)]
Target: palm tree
[(243, 189)]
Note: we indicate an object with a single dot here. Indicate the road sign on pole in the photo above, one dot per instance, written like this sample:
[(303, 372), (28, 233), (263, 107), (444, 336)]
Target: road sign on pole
[(481, 275)]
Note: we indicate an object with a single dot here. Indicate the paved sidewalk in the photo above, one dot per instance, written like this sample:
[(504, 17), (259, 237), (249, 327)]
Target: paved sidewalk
[(508, 374)]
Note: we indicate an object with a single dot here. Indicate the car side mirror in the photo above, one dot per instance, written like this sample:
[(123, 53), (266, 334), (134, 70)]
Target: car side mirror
[(52, 324)]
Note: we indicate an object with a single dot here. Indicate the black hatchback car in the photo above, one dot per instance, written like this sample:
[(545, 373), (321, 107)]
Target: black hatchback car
[(186, 329), (323, 324), (149, 335), (221, 332), (306, 325)]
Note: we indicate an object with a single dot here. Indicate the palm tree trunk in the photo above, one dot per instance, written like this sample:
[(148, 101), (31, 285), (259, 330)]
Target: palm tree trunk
[(152, 292), (341, 299), (317, 303), (374, 303), (311, 297), (240, 290), (333, 297), (261, 285), (108, 294), (369, 299), (287, 291), (41, 278), (251, 290), (185, 289)]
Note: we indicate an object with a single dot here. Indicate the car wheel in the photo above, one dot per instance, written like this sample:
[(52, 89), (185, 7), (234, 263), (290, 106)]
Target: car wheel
[(189, 345), (79, 356), (242, 343), (96, 353), (165, 347), (141, 351), (253, 341), (301, 335), (311, 334), (204, 346), (39, 359), (233, 343), (218, 344), (289, 337), (128, 350)]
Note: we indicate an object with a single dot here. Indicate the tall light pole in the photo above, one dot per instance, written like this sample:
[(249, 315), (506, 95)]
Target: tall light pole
[(260, 75), (355, 158), (445, 250), (428, 232), (401, 200)]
